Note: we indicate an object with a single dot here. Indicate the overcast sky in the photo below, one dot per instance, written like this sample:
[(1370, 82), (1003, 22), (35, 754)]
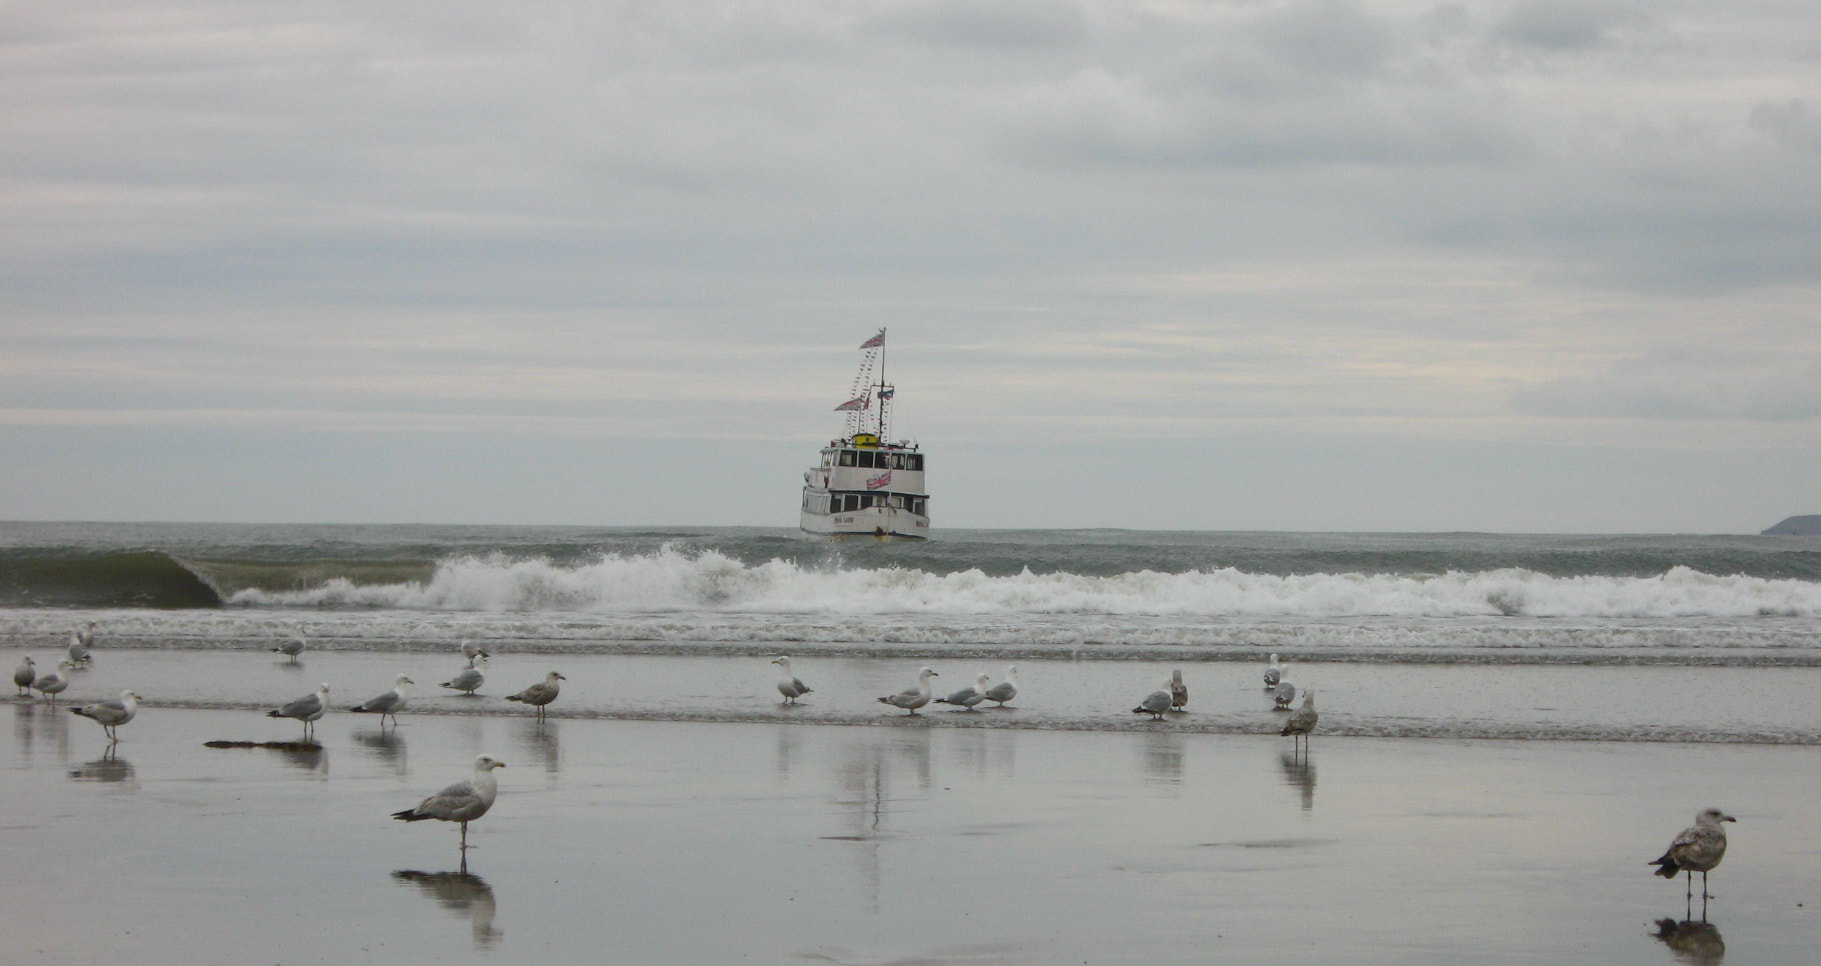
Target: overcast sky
[(1544, 265)]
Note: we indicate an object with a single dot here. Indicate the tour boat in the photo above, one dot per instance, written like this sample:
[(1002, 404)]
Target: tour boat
[(867, 485)]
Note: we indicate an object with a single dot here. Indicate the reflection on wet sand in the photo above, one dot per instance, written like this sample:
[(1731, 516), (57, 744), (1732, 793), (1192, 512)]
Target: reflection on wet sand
[(1692, 942), (35, 724), (110, 767), (387, 746), (462, 894), (1299, 773), (540, 738), (789, 737), (864, 793), (1164, 755), (310, 759)]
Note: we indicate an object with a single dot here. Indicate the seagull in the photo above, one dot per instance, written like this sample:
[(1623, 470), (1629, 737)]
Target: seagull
[(1285, 693), (79, 652), (53, 682), (87, 635), (306, 709), (473, 651), (24, 675), (910, 699), (1179, 692), (1155, 703), (1699, 848), (540, 694), (111, 714), (461, 802), (468, 680), (1302, 720), (790, 686), (290, 648), (389, 703), (969, 696), (1005, 690), (1273, 674)]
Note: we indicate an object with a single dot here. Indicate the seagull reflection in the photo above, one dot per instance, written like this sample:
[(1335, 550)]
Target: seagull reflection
[(1299, 773), (460, 893), (387, 746), (1692, 942), (30, 727), (788, 738), (1163, 756), (540, 738), (110, 767)]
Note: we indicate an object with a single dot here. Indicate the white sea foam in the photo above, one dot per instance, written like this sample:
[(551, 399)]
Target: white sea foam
[(674, 581)]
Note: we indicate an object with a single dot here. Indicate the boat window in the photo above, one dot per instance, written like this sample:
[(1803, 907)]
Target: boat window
[(913, 461), (847, 457)]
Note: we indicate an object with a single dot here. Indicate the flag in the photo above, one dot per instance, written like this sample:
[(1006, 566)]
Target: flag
[(852, 405), (879, 482), (874, 342), (886, 393)]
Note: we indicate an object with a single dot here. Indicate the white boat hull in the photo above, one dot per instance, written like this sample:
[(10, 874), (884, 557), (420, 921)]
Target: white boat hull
[(880, 523)]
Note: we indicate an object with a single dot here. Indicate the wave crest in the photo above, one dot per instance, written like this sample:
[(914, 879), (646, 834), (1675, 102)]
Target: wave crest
[(706, 580)]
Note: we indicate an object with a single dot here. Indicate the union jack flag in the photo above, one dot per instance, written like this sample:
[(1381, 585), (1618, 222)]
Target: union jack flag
[(886, 393), (880, 482), (874, 342)]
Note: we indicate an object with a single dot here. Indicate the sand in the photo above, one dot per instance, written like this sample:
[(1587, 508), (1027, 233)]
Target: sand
[(690, 842)]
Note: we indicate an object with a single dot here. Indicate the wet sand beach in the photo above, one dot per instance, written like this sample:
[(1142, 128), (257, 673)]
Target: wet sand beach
[(719, 842)]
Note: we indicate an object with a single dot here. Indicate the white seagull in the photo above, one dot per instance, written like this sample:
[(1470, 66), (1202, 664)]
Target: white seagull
[(1005, 690), (910, 699), (306, 709), (461, 802), (79, 652), (53, 682), (468, 680), (1179, 692), (968, 697), (789, 685), (390, 703), (473, 651), (1155, 703), (290, 648), (1273, 674), (111, 714), (1285, 693)]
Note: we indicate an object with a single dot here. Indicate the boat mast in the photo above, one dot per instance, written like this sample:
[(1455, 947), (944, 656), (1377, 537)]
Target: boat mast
[(884, 400)]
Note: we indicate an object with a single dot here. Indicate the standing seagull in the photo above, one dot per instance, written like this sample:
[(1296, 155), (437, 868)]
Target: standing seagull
[(969, 696), (1699, 848), (290, 648), (53, 682), (1302, 721), (1005, 690), (1179, 692), (910, 699), (1285, 693), (79, 652), (461, 802), (540, 694), (306, 709), (24, 675), (390, 703), (1273, 674), (789, 685), (111, 714), (473, 651), (467, 680), (1155, 703)]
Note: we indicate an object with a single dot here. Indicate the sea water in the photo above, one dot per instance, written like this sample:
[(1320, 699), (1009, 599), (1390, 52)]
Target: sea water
[(1709, 638)]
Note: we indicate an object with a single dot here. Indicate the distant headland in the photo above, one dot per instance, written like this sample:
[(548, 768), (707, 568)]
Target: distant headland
[(1808, 526)]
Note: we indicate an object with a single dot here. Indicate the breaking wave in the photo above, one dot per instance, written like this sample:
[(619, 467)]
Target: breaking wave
[(672, 580)]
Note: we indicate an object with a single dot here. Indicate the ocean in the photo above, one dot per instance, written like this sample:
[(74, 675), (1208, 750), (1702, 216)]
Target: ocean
[(1625, 637)]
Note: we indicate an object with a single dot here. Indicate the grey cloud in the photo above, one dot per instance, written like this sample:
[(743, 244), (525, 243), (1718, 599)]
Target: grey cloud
[(1766, 389), (986, 24), (1568, 24), (1792, 123)]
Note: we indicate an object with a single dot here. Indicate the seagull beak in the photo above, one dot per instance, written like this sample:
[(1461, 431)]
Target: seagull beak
[(1728, 818)]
